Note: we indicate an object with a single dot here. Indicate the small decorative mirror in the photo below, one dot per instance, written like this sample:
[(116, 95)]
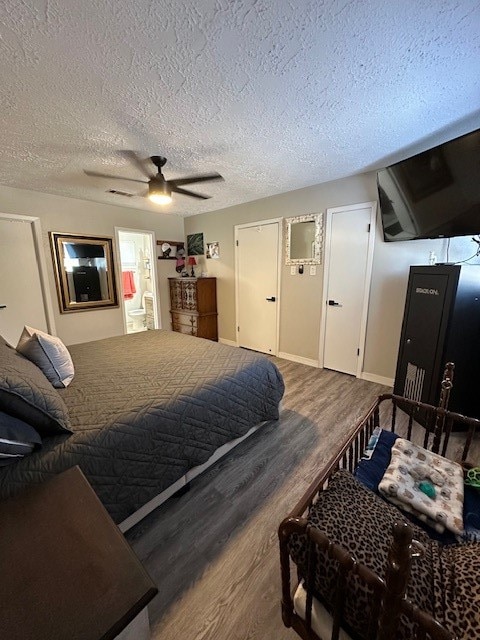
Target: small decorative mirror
[(84, 272), (303, 239)]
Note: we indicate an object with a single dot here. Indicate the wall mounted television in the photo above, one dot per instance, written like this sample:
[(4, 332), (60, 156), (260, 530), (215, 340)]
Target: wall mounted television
[(434, 194)]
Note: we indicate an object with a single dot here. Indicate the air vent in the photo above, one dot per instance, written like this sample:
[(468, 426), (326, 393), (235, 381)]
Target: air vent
[(120, 193)]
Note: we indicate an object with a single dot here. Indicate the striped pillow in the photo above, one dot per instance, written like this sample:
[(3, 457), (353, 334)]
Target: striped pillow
[(17, 439), (49, 354)]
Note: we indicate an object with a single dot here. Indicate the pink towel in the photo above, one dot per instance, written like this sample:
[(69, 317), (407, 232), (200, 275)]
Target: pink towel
[(128, 285)]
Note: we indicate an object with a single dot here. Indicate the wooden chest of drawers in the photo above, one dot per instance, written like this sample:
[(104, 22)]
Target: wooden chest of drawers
[(193, 306)]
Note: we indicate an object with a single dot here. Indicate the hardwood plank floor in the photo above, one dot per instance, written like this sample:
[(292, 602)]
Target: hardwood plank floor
[(213, 551)]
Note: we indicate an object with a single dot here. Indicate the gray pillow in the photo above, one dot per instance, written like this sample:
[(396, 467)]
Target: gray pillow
[(17, 439), (49, 354), (26, 394)]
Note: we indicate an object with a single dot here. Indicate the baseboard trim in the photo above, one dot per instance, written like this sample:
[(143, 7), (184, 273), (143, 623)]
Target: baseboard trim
[(286, 356), (299, 359), (231, 343), (372, 377)]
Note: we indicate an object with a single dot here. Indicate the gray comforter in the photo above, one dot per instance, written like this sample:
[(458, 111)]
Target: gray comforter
[(148, 407)]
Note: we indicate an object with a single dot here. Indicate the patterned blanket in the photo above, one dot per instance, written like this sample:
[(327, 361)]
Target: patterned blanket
[(425, 484)]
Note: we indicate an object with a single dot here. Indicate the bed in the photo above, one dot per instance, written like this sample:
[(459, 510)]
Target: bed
[(363, 567), (147, 412)]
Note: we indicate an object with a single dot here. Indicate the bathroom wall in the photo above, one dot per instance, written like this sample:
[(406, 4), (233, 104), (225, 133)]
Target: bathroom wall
[(133, 243), (136, 257)]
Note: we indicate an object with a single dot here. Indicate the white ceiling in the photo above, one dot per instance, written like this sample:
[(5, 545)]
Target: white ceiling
[(275, 95)]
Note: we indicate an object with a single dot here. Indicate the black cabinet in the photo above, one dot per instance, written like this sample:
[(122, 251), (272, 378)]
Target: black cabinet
[(86, 281), (441, 324)]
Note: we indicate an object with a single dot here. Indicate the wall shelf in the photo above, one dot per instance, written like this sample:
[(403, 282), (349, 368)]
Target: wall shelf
[(175, 246)]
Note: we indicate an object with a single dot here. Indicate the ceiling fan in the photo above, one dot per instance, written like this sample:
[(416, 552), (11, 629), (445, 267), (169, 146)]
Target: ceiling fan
[(159, 189)]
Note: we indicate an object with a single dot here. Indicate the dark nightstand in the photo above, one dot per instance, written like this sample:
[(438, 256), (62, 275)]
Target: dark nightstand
[(66, 571)]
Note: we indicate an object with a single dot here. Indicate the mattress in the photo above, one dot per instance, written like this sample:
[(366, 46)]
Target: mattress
[(147, 407), (321, 620)]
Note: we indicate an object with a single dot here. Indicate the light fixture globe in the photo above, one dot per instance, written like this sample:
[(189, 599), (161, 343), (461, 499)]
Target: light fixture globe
[(159, 192)]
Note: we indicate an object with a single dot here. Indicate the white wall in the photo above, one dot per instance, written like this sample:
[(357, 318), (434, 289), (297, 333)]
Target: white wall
[(57, 213), (300, 297), (300, 304)]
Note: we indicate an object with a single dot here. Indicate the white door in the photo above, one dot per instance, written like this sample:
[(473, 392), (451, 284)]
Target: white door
[(21, 297), (348, 270), (258, 247)]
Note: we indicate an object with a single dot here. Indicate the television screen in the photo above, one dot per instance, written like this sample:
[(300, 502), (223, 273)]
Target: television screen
[(84, 250), (435, 194)]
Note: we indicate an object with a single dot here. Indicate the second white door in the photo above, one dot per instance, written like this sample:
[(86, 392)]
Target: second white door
[(258, 286), (349, 251)]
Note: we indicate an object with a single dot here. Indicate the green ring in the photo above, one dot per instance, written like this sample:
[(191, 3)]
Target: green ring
[(473, 477)]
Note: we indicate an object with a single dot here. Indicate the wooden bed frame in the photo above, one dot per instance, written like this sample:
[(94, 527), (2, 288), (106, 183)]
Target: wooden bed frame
[(389, 590)]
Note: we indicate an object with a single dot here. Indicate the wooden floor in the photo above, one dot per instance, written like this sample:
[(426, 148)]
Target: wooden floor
[(213, 551)]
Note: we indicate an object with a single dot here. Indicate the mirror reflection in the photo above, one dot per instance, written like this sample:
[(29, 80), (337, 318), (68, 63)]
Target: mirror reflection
[(303, 240), (84, 272)]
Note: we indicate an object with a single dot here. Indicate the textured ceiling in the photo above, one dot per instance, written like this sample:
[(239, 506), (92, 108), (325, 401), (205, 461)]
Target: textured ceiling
[(275, 95)]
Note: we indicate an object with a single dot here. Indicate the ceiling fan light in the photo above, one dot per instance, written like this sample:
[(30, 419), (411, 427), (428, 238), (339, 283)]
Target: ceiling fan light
[(159, 193), (160, 198)]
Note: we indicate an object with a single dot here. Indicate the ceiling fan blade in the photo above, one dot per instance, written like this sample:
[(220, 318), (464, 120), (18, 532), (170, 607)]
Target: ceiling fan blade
[(185, 192), (95, 174), (205, 177), (139, 162)]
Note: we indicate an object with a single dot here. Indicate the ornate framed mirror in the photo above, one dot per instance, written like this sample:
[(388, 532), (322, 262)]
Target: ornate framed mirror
[(84, 272), (304, 239)]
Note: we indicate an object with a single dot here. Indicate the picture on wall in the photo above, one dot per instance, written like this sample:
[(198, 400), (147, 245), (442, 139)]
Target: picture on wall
[(213, 250), (195, 245)]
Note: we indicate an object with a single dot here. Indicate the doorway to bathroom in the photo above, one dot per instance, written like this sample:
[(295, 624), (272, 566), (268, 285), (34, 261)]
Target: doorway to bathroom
[(138, 279)]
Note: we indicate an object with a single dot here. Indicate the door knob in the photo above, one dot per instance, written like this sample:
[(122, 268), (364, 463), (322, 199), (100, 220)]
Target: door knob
[(272, 299), (3, 306), (332, 303)]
